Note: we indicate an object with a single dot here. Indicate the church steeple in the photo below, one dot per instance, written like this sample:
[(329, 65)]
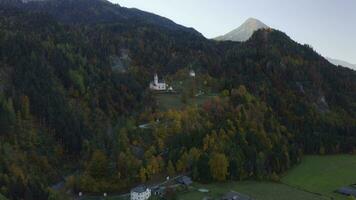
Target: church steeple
[(156, 79)]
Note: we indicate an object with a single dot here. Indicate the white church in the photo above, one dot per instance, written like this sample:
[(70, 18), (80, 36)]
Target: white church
[(158, 85)]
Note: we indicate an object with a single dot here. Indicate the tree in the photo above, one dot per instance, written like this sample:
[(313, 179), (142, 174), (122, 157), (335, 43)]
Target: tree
[(25, 107), (219, 165), (170, 169), (122, 165), (153, 166), (98, 166), (143, 174), (7, 116), (183, 163)]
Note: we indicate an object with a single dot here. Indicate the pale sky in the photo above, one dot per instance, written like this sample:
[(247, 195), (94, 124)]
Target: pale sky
[(329, 26)]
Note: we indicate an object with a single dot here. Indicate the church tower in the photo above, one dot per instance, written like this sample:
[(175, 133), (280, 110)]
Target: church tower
[(156, 79)]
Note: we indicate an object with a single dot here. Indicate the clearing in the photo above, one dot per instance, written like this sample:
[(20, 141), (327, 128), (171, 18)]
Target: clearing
[(323, 174), (256, 190), (167, 101)]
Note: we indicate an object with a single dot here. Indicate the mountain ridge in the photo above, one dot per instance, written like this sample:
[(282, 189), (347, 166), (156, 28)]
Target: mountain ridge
[(95, 12)]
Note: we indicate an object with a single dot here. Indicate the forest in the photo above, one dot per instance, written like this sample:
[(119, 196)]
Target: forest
[(65, 110)]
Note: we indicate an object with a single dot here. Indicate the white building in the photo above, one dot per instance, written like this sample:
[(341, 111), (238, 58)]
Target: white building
[(192, 73), (140, 193), (157, 85)]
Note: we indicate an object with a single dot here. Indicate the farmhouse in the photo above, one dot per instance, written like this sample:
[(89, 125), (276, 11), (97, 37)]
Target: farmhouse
[(158, 85), (140, 193), (158, 191), (185, 180), (348, 191)]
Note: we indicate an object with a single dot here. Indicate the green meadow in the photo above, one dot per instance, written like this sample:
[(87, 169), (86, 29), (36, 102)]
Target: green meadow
[(323, 174), (317, 177)]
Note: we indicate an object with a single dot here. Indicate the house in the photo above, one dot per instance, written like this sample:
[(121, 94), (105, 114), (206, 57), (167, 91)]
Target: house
[(140, 193), (192, 73), (235, 196), (185, 180), (158, 85), (158, 191)]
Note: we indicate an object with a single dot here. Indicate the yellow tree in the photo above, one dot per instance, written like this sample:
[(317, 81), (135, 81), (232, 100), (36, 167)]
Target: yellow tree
[(170, 169), (143, 175), (183, 163), (98, 165), (219, 165), (153, 166)]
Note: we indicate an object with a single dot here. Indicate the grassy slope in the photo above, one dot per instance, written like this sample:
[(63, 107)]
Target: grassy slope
[(323, 174), (174, 101), (256, 190)]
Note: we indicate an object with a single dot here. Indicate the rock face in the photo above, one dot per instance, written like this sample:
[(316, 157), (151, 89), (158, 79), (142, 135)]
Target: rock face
[(244, 32)]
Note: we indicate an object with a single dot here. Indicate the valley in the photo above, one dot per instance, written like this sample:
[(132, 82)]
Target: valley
[(96, 99)]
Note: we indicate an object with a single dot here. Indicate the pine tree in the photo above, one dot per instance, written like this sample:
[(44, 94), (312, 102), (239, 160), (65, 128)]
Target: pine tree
[(98, 166)]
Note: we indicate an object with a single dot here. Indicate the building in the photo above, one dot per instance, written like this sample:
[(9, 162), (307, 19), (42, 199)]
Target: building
[(348, 191), (192, 73), (185, 180), (140, 193), (235, 196), (158, 85), (158, 191)]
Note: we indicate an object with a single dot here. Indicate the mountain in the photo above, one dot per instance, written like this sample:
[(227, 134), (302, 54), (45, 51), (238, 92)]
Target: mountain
[(95, 12), (244, 32), (341, 63), (64, 108)]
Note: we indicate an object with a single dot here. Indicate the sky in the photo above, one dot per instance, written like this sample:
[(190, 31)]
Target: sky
[(329, 26)]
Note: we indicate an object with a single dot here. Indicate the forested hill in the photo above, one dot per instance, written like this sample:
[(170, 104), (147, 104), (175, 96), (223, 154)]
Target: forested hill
[(64, 106), (95, 12)]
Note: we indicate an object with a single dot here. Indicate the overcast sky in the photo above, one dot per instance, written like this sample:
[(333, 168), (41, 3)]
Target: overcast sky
[(327, 25)]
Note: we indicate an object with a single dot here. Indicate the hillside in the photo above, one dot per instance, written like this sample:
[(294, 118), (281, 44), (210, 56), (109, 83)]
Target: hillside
[(64, 107), (95, 12)]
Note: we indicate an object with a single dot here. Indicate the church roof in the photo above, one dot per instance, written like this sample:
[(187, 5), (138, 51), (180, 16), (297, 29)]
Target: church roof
[(139, 189)]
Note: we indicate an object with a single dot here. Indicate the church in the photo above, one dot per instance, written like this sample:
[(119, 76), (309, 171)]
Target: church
[(158, 85)]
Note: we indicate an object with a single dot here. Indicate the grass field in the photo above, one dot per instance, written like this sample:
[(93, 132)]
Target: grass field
[(174, 101), (317, 177), (323, 174), (256, 190)]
